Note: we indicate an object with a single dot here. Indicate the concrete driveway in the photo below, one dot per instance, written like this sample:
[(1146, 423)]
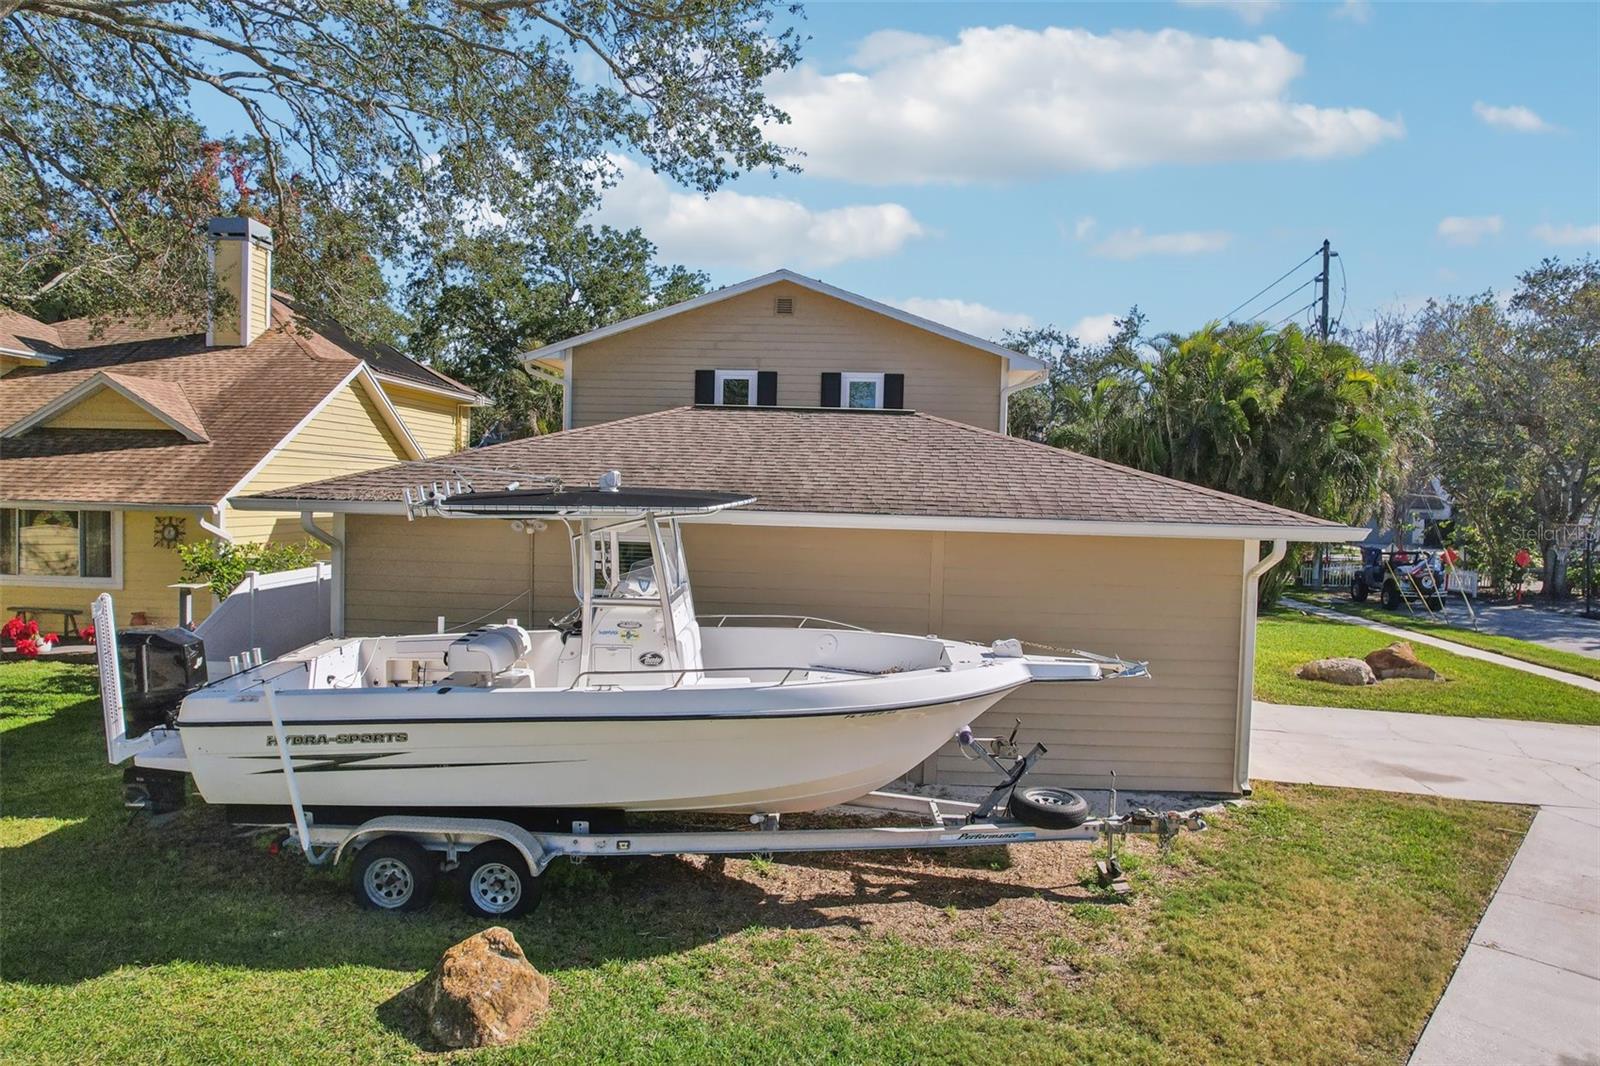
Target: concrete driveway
[(1527, 990)]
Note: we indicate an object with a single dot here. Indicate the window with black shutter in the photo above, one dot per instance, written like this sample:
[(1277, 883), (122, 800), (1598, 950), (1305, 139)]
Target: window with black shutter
[(831, 387), (767, 388)]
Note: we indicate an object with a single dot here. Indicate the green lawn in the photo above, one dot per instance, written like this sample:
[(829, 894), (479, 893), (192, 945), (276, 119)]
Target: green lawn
[(1286, 638), (1526, 650), (1315, 925)]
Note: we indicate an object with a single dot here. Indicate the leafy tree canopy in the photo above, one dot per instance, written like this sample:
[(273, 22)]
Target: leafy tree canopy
[(1514, 392), (495, 298), (377, 134), (1273, 416)]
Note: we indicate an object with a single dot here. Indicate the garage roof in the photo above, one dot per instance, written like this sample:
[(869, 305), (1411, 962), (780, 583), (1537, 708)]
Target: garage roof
[(833, 466)]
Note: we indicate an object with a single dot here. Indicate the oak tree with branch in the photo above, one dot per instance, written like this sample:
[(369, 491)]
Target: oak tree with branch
[(372, 132)]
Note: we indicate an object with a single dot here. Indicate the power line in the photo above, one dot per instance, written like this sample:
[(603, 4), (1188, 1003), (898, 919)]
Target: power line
[(1262, 313), (1227, 317), (1344, 291), (1292, 314)]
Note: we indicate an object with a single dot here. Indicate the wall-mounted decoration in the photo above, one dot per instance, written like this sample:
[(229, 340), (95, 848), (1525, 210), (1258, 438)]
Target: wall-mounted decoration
[(169, 531)]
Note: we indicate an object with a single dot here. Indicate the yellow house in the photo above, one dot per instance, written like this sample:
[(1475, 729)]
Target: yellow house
[(120, 441)]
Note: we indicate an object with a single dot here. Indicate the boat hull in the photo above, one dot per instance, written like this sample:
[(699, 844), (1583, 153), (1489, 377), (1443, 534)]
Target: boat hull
[(793, 759)]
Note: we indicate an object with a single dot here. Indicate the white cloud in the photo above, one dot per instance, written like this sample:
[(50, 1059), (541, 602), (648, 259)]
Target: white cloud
[(1514, 117), (1004, 102), (1135, 242), (1250, 12), (1354, 11), (974, 318), (1567, 234), (1083, 227), (751, 232), (1094, 329), (1462, 229)]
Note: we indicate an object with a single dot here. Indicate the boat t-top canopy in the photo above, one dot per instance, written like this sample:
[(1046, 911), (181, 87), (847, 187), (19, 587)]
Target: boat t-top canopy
[(549, 498)]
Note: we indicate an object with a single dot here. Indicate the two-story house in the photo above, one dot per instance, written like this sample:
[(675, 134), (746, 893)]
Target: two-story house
[(122, 440), (888, 496)]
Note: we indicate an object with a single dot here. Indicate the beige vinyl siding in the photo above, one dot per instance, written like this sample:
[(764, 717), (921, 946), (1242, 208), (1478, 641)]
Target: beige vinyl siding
[(1174, 602), (260, 288), (228, 266), (105, 408), (346, 437), (437, 423), (651, 368)]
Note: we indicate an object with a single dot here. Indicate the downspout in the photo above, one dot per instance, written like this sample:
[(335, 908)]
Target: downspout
[(213, 525), (336, 547), (1247, 658), (1007, 391)]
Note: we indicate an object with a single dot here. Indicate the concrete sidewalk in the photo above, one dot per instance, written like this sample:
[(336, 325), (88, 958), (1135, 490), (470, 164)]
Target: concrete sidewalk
[(1527, 990), (1462, 650)]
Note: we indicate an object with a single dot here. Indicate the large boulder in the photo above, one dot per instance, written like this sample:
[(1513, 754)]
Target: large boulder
[(1338, 672), (483, 992), (1398, 660)]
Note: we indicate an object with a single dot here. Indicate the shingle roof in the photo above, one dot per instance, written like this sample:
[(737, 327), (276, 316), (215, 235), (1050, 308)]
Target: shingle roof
[(72, 338), (247, 400), (832, 461)]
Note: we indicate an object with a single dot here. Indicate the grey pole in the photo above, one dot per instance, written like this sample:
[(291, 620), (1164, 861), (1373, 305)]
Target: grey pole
[(1323, 322)]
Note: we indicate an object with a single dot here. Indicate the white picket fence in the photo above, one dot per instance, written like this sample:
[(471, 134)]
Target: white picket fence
[(276, 613)]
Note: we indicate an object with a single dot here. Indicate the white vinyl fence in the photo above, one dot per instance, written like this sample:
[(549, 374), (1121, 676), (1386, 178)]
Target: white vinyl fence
[(276, 613)]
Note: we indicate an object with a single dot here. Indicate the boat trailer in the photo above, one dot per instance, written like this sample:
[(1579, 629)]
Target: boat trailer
[(396, 877)]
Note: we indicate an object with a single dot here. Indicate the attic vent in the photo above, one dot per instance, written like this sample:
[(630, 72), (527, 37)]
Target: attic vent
[(783, 305)]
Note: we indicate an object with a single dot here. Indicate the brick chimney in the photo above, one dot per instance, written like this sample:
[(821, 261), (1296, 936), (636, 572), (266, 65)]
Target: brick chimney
[(241, 269)]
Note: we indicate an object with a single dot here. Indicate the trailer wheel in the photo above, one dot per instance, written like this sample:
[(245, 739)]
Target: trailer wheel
[(394, 874), (496, 882), (1048, 808), (1358, 589), (1391, 595)]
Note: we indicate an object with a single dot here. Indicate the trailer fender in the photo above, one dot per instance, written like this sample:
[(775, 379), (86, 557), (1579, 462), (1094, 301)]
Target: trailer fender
[(450, 835)]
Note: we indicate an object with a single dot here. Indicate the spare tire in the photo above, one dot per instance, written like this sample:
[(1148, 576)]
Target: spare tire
[(1048, 808)]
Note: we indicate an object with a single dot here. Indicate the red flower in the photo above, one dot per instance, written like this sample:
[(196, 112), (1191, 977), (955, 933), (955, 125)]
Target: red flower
[(52, 639), (11, 630), (28, 648), (87, 634), (31, 629)]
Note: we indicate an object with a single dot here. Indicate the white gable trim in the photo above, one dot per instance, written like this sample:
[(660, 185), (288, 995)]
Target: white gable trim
[(368, 382), (551, 352), (475, 399), (88, 387)]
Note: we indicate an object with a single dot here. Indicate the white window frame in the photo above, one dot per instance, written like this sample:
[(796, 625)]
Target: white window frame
[(46, 581), (845, 381), (733, 375)]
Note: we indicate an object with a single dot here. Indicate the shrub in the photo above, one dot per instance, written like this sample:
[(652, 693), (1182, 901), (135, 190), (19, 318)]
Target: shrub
[(223, 565)]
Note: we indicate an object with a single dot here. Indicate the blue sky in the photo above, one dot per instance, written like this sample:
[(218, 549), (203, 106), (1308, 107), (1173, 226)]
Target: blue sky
[(1058, 163)]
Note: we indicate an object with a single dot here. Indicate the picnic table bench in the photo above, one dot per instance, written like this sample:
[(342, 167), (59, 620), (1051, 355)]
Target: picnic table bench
[(69, 617)]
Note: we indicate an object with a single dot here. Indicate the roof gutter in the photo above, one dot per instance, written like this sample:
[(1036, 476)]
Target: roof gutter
[(1249, 604)]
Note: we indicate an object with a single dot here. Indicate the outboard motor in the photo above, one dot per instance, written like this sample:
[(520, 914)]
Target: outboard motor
[(159, 667)]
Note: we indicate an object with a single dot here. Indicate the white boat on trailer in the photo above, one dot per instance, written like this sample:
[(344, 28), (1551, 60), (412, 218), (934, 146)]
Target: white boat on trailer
[(469, 743)]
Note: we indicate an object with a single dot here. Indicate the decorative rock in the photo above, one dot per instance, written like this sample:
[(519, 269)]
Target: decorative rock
[(1398, 660), (1338, 672), (484, 992)]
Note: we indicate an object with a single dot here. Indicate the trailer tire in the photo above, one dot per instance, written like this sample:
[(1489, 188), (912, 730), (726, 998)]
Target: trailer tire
[(1048, 808), (496, 882), (394, 874)]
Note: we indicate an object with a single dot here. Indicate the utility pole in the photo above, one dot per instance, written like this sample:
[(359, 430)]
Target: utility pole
[(1323, 279)]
